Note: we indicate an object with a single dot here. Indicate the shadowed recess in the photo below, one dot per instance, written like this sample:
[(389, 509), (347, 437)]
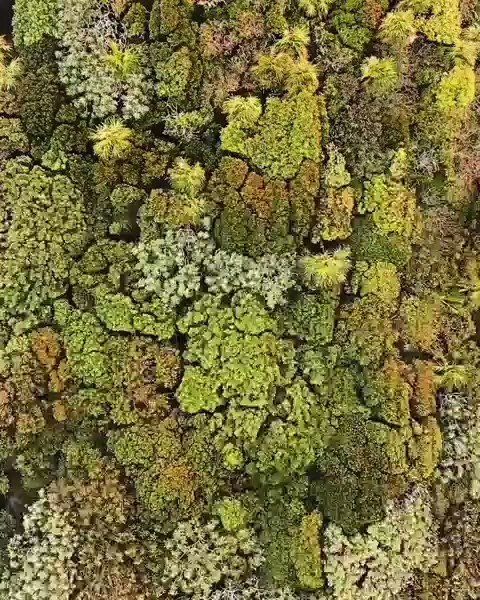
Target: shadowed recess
[(6, 16)]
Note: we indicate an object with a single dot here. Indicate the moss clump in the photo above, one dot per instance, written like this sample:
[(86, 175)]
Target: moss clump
[(280, 139), (239, 300)]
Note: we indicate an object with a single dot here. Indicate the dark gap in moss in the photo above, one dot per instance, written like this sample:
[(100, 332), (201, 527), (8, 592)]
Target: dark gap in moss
[(18, 498), (476, 321), (410, 356), (126, 236), (198, 15), (323, 245), (148, 4), (220, 117), (6, 17)]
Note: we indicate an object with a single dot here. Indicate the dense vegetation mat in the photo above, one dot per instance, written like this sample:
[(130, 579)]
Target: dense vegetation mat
[(239, 300)]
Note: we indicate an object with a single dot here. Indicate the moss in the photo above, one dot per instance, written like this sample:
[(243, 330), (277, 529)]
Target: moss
[(168, 490), (116, 311), (424, 399), (231, 171), (307, 553), (33, 21), (304, 189), (199, 391), (12, 137), (353, 490), (288, 133), (56, 208), (168, 16), (353, 22), (421, 322), (136, 20), (456, 92), (388, 393), (165, 482), (238, 299), (370, 244), (233, 514), (335, 224), (425, 449), (439, 21), (156, 162), (172, 210), (243, 114), (381, 76), (380, 280), (112, 140), (281, 521), (311, 319), (232, 361), (125, 201), (399, 28), (254, 219), (39, 95), (236, 229), (447, 104), (175, 73), (325, 271), (393, 206), (366, 332)]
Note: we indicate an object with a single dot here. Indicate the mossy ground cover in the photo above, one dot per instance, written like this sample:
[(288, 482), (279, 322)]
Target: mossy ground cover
[(239, 300)]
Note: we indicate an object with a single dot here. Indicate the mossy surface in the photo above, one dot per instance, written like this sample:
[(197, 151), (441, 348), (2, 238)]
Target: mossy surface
[(239, 300)]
